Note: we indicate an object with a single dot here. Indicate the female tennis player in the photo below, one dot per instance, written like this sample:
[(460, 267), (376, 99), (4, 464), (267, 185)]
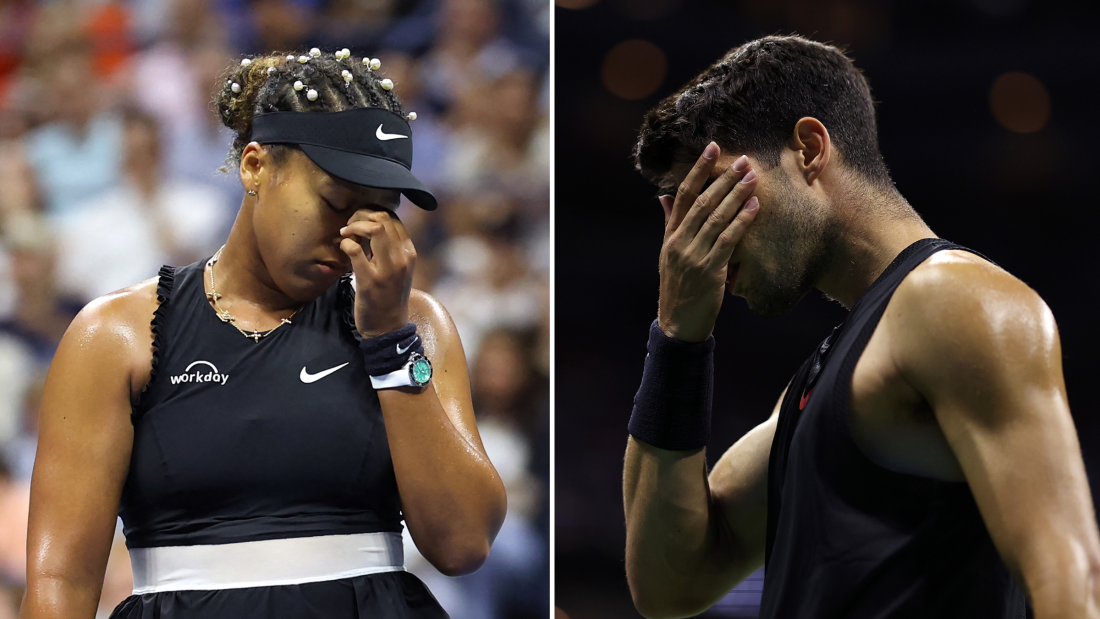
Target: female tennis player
[(264, 420)]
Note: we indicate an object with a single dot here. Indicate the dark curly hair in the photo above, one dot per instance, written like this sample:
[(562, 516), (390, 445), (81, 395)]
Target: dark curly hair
[(266, 84), (750, 100)]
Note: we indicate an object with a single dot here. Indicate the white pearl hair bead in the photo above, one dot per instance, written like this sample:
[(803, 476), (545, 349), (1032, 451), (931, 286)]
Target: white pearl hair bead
[(270, 70), (346, 53), (315, 52), (303, 59), (387, 84), (346, 75), (311, 94), (236, 88), (374, 64), (246, 61), (298, 85), (411, 116), (290, 57)]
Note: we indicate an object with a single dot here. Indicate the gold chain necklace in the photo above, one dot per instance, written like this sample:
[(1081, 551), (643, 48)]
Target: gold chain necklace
[(225, 316)]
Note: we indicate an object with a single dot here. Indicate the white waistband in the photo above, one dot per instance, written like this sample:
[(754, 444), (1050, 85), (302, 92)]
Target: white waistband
[(265, 563)]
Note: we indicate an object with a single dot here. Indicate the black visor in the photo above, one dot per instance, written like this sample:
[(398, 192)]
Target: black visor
[(365, 146)]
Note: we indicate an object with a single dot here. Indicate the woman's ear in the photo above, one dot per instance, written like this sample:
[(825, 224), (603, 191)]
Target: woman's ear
[(254, 159)]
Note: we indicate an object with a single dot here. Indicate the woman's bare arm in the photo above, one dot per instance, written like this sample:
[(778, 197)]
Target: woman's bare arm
[(453, 499), (84, 446)]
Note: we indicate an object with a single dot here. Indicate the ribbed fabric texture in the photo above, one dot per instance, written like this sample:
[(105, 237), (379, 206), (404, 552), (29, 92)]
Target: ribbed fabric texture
[(672, 406), (389, 351)]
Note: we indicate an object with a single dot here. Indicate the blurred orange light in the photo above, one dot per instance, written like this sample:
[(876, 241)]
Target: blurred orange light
[(634, 69), (1020, 102), (575, 4), (647, 9)]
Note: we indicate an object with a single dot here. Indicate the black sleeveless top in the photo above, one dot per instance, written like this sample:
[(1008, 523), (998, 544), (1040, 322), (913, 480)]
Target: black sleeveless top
[(850, 539), (237, 440)]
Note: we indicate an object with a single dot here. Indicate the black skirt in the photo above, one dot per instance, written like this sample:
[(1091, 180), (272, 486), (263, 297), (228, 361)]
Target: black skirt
[(387, 595)]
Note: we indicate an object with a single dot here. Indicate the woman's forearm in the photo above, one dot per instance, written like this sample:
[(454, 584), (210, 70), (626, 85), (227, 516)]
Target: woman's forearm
[(49, 597), (453, 500)]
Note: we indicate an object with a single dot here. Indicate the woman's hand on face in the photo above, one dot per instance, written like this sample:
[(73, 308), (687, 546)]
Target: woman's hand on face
[(382, 259)]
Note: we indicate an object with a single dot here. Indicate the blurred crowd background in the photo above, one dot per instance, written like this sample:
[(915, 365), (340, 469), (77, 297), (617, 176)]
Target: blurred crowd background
[(109, 157), (982, 109)]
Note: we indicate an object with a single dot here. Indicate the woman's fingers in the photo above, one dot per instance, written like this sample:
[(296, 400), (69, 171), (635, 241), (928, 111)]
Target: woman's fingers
[(727, 241), (400, 236), (362, 233), (383, 238)]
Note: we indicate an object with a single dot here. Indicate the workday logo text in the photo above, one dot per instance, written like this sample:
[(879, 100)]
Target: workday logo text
[(207, 374)]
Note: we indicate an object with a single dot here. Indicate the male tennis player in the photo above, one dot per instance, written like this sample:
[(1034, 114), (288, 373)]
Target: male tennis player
[(923, 462)]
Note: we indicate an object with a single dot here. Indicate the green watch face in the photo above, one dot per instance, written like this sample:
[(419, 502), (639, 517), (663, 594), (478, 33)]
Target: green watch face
[(421, 371)]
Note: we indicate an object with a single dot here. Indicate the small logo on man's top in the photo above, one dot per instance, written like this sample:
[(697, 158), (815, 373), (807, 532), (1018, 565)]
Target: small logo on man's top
[(200, 375)]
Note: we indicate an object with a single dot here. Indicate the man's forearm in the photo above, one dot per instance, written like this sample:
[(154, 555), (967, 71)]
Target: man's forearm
[(1066, 587), (670, 535)]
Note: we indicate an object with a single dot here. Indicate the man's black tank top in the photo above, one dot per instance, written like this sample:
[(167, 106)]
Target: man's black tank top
[(237, 440), (850, 539)]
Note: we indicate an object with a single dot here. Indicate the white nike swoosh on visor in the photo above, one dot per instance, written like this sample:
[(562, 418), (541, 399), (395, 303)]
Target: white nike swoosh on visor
[(387, 136), (401, 352), (312, 378)]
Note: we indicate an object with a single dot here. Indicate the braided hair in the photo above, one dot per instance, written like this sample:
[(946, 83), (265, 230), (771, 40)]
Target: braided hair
[(263, 84)]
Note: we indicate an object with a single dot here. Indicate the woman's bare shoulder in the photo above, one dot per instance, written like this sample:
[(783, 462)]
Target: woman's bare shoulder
[(117, 310), (117, 328)]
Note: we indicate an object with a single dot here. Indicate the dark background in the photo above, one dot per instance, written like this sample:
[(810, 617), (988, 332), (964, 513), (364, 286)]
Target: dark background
[(1026, 200)]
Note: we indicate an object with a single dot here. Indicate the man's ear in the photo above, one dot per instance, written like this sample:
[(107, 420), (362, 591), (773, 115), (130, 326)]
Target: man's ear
[(253, 160), (813, 148)]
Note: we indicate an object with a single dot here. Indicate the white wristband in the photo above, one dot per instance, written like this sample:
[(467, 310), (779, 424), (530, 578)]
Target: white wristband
[(401, 377)]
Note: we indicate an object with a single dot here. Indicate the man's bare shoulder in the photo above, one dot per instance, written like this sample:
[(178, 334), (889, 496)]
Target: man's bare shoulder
[(964, 289), (960, 320)]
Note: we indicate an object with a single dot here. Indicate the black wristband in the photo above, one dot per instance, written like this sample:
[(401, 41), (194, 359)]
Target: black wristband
[(672, 407), (390, 351)]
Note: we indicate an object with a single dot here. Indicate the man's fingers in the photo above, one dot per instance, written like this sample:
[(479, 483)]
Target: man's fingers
[(706, 205), (720, 217), (666, 205), (693, 184), (727, 241)]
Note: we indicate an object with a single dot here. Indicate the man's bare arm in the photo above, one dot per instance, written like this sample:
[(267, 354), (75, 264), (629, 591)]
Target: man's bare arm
[(984, 350), (681, 554), (690, 538)]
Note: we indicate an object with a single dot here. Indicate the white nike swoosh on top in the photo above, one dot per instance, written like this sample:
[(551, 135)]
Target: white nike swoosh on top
[(387, 136), (312, 378), (401, 352)]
